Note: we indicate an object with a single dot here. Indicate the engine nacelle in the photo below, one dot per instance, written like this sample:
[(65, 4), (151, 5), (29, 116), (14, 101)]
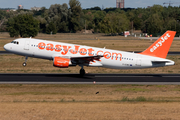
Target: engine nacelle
[(61, 62)]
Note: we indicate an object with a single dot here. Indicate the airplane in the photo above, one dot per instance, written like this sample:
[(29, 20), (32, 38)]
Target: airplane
[(65, 54)]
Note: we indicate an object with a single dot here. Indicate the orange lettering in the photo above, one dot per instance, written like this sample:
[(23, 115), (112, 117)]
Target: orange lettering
[(99, 52), (50, 46), (66, 49), (117, 55), (83, 51), (107, 55), (90, 51), (41, 45), (76, 50), (58, 48)]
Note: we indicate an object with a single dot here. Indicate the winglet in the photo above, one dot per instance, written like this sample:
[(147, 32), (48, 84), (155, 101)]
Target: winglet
[(161, 46)]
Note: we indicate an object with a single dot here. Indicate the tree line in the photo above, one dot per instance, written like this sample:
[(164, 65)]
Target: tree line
[(70, 18)]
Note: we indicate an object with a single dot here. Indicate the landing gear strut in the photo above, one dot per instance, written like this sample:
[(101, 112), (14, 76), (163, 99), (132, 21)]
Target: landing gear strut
[(82, 71), (24, 64)]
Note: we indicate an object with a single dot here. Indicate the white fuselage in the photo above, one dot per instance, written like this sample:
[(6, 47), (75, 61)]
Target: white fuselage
[(112, 58)]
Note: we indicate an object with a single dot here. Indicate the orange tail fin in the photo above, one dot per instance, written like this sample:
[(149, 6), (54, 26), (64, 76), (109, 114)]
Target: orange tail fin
[(161, 47)]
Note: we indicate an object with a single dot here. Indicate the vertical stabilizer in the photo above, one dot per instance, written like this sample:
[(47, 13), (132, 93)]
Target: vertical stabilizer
[(161, 46)]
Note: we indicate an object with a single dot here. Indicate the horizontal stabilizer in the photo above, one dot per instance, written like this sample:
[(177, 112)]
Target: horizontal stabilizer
[(160, 61), (163, 63)]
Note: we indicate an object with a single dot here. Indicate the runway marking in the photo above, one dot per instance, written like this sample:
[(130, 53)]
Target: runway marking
[(137, 76), (124, 76), (102, 83), (170, 76)]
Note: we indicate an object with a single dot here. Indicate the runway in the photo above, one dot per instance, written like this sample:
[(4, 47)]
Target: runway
[(141, 79)]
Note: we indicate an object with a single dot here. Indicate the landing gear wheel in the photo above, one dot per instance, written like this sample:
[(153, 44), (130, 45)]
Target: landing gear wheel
[(24, 64), (82, 72)]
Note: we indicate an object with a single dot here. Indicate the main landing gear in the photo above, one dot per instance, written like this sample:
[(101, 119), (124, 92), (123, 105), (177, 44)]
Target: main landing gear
[(82, 71), (24, 64)]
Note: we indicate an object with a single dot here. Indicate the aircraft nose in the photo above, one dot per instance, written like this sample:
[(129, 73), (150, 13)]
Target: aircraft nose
[(6, 47)]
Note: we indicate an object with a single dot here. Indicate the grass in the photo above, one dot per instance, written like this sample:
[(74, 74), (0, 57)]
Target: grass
[(161, 86), (87, 93), (92, 111), (131, 89), (137, 99), (113, 102), (176, 89), (33, 93)]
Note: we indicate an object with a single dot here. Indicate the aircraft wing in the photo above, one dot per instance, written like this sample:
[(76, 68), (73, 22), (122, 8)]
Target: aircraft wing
[(96, 57), (88, 60)]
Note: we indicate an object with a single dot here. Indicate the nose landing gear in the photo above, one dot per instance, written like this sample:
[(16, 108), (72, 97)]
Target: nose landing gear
[(24, 64)]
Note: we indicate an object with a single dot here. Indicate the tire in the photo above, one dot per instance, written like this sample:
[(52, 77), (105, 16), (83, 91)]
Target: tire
[(82, 72), (24, 64)]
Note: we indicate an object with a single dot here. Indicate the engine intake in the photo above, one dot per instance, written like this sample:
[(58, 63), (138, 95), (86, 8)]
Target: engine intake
[(61, 62)]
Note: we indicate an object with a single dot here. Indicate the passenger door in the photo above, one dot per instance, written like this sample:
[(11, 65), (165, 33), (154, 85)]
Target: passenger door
[(27, 44)]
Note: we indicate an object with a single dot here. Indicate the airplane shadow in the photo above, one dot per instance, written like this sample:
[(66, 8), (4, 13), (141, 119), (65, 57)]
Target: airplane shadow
[(86, 76)]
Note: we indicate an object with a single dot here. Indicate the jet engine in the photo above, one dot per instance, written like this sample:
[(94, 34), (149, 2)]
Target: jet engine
[(61, 62)]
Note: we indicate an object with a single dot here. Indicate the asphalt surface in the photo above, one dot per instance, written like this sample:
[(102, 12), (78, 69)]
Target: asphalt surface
[(142, 79)]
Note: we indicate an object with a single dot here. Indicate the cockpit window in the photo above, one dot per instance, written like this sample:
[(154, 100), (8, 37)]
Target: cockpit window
[(15, 42)]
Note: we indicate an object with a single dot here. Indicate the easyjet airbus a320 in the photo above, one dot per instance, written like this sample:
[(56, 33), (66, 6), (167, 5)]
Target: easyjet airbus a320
[(65, 55)]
